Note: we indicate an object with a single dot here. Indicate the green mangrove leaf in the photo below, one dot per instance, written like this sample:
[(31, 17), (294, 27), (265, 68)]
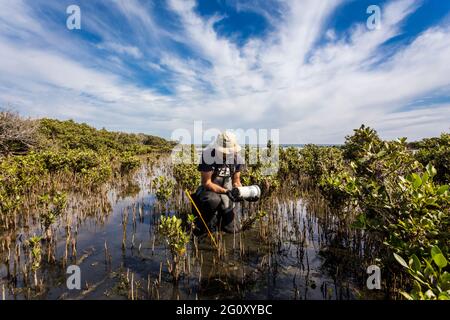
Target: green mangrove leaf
[(440, 260), (415, 263), (442, 189), (401, 260)]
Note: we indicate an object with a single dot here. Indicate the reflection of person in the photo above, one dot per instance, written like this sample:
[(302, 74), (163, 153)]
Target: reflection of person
[(220, 169)]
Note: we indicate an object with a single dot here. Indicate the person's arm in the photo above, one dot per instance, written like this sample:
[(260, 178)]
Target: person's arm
[(237, 180), (209, 185)]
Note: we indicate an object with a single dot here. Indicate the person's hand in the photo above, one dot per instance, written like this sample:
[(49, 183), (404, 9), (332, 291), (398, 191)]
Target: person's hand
[(252, 199), (230, 195)]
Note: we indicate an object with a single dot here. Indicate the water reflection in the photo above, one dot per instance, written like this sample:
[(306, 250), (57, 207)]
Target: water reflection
[(298, 250)]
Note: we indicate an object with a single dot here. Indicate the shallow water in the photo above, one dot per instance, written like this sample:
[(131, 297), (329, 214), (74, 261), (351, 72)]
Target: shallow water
[(298, 251)]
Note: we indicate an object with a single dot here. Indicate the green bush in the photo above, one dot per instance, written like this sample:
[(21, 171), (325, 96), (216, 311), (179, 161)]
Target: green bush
[(71, 135), (53, 205), (260, 171), (397, 194), (437, 152), (187, 176), (362, 140), (290, 163), (164, 188), (185, 169), (420, 215), (20, 174), (431, 279), (177, 239), (129, 163)]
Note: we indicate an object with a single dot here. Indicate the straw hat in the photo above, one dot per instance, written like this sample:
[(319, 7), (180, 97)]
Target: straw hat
[(226, 143)]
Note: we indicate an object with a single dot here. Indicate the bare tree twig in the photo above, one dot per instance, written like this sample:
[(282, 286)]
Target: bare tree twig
[(17, 134)]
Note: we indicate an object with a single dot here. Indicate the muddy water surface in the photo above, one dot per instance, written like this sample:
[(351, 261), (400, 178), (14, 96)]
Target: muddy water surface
[(298, 250)]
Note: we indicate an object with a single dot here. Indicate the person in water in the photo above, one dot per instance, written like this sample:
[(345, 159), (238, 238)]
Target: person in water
[(220, 169)]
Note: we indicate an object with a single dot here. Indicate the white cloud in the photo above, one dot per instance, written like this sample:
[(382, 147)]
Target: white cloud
[(284, 80), (121, 49), (269, 82)]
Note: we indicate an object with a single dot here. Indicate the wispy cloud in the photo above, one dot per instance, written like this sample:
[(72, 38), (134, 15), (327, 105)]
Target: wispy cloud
[(157, 68), (131, 51)]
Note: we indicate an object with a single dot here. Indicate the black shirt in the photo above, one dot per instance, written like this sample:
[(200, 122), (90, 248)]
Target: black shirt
[(220, 167)]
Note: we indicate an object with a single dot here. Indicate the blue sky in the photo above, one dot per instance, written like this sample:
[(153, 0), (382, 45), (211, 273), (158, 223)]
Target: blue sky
[(311, 69)]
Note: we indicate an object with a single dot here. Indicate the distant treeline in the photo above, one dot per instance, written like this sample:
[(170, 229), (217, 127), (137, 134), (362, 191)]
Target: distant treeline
[(48, 159), (19, 135)]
